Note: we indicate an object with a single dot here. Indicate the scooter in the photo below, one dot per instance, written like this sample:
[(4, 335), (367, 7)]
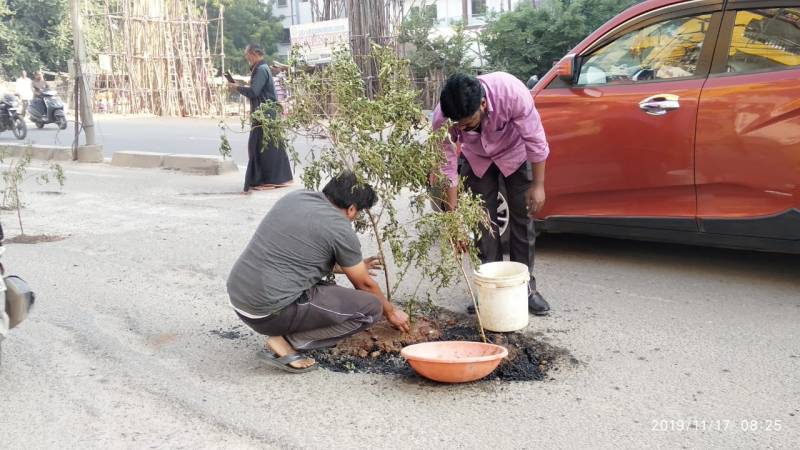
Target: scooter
[(48, 108), (10, 119), (16, 300)]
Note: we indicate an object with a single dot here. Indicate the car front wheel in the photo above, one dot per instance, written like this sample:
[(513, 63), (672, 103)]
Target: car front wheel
[(502, 215)]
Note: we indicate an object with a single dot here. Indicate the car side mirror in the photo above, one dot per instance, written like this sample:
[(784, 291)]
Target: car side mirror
[(565, 69)]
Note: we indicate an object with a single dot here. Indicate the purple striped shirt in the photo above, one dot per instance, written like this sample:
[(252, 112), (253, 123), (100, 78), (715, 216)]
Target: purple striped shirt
[(511, 130)]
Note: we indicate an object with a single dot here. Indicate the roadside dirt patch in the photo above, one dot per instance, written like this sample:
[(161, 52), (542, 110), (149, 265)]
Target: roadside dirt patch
[(34, 239), (158, 341), (378, 350)]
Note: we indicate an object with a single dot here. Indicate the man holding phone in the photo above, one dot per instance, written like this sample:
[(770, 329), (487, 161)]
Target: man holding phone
[(267, 168)]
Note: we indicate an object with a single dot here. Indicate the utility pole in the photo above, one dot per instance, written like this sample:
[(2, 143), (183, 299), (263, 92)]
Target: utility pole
[(80, 60), (222, 35), (464, 13)]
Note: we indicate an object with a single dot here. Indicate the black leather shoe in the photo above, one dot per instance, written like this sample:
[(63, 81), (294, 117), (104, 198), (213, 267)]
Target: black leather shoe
[(537, 305)]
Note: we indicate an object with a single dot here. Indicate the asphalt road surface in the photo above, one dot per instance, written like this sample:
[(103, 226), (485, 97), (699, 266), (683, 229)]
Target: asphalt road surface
[(153, 134), (133, 344)]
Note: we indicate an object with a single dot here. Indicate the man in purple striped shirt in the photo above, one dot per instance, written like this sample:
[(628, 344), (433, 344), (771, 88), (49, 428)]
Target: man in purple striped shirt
[(500, 136)]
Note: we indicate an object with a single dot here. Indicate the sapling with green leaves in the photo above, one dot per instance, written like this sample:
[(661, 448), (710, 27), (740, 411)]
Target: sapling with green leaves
[(16, 173)]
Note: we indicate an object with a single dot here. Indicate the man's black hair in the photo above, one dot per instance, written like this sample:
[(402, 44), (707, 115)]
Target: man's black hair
[(344, 190), (461, 96), (255, 49)]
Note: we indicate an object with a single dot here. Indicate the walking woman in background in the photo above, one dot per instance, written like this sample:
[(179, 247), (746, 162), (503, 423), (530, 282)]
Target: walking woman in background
[(267, 168)]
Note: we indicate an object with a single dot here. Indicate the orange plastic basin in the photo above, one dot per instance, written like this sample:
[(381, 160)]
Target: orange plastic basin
[(454, 361)]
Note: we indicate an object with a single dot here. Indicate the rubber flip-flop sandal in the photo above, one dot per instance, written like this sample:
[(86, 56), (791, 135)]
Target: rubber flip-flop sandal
[(283, 362)]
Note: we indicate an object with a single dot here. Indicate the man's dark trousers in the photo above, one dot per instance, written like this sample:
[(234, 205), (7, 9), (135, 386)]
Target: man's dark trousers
[(520, 226)]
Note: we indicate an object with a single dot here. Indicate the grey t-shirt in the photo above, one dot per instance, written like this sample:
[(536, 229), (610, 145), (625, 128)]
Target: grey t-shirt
[(294, 248)]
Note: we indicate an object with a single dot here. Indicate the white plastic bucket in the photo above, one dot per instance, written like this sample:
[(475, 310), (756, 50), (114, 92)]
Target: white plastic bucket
[(503, 295)]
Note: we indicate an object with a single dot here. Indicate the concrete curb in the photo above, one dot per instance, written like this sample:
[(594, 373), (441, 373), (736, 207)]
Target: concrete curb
[(142, 160), (198, 164), (207, 165), (90, 154), (86, 153)]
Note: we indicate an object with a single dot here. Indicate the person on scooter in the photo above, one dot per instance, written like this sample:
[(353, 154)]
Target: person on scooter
[(39, 86)]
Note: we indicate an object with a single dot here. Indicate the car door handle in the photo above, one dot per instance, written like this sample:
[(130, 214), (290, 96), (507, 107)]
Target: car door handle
[(660, 104)]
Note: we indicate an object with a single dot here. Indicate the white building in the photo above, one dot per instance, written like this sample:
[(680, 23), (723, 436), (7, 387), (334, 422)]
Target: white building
[(448, 12), (299, 12), (472, 12)]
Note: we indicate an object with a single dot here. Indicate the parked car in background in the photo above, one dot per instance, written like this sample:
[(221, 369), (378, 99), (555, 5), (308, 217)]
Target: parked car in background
[(679, 121)]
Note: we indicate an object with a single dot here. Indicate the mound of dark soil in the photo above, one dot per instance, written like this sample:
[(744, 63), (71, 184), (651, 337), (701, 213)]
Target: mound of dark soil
[(377, 350)]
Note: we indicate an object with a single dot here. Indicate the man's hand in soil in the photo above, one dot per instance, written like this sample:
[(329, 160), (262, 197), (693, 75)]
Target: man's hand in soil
[(399, 320), (359, 276)]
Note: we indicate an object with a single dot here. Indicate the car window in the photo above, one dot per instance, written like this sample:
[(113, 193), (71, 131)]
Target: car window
[(765, 39), (664, 50)]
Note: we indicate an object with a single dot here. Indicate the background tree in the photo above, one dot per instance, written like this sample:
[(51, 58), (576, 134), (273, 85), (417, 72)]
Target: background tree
[(427, 54), (433, 58), (528, 40), (34, 34), (37, 34), (246, 21), (8, 39)]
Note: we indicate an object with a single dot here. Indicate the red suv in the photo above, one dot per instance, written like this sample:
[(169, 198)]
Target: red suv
[(679, 121)]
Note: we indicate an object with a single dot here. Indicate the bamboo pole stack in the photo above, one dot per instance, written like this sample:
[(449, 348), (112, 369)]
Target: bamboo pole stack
[(373, 22), (368, 25), (161, 62), (326, 9)]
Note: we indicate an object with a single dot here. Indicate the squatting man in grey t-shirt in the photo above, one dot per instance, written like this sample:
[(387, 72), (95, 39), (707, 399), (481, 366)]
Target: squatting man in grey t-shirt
[(276, 286)]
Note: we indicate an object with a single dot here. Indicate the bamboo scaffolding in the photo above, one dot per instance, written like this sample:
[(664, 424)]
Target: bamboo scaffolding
[(327, 9), (161, 59)]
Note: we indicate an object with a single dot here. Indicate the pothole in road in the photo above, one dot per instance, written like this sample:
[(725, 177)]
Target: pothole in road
[(377, 350)]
